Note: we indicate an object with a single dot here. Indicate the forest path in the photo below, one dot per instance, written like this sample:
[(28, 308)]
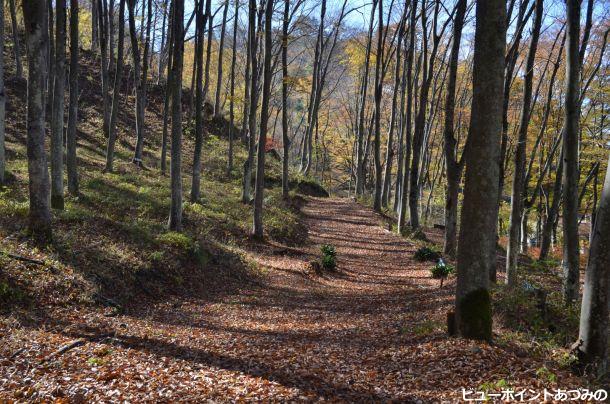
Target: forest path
[(372, 331)]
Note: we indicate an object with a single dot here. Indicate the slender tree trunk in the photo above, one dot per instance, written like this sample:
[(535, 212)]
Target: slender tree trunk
[(163, 44), (200, 22), (285, 138), (593, 332), (38, 175), (402, 214), (262, 138), (217, 104), (166, 105), (16, 42), (116, 92), (111, 60), (232, 91), (104, 70), (477, 241), (360, 165), (71, 163), (58, 109), (571, 245), (378, 88), (253, 104), (2, 98), (175, 212), (519, 185), (94, 25), (452, 165)]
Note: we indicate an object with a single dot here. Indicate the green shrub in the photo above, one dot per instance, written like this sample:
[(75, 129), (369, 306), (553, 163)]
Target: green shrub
[(329, 257), (441, 270), (426, 254)]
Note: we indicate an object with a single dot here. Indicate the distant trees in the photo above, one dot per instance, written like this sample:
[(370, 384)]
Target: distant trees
[(477, 241)]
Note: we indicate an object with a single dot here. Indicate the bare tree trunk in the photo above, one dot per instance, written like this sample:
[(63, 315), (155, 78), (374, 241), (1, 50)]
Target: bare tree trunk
[(285, 138), (477, 241), (116, 92), (103, 42), (516, 214), (170, 52), (38, 175), (593, 331), (452, 165), (378, 88), (360, 165), (175, 212), (161, 57), (232, 91), (2, 97), (58, 109), (253, 104), (402, 214), (221, 45), (16, 44), (94, 25), (111, 61), (71, 163), (262, 138), (200, 22), (571, 245), (50, 73)]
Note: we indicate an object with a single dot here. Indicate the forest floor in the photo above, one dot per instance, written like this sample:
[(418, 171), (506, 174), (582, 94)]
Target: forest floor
[(374, 330)]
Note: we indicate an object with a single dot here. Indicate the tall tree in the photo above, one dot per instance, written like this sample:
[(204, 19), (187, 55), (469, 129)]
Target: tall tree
[(232, 90), (34, 16), (253, 102), (453, 166), (285, 138), (516, 213), (571, 245), (477, 241), (378, 88), (103, 43), (175, 213), (71, 163), (116, 92), (221, 45), (16, 42), (262, 137), (593, 333), (58, 109), (2, 98), (200, 22), (402, 213)]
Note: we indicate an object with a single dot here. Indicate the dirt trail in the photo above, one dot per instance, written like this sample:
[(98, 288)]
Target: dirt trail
[(374, 331)]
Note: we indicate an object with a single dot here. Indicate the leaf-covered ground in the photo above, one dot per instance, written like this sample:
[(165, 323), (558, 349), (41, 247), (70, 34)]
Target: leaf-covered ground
[(372, 331)]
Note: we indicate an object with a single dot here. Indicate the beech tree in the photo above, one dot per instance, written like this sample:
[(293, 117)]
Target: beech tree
[(571, 244), (71, 163), (477, 241), (34, 16)]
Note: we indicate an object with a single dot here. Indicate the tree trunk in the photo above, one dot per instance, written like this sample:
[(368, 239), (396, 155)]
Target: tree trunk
[(16, 44), (593, 332), (285, 138), (402, 214), (232, 91), (571, 245), (116, 92), (175, 212), (519, 185), (253, 104), (166, 106), (217, 105), (104, 70), (200, 22), (452, 165), (477, 241), (262, 138), (2, 98), (58, 109), (94, 25), (71, 163), (38, 175)]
